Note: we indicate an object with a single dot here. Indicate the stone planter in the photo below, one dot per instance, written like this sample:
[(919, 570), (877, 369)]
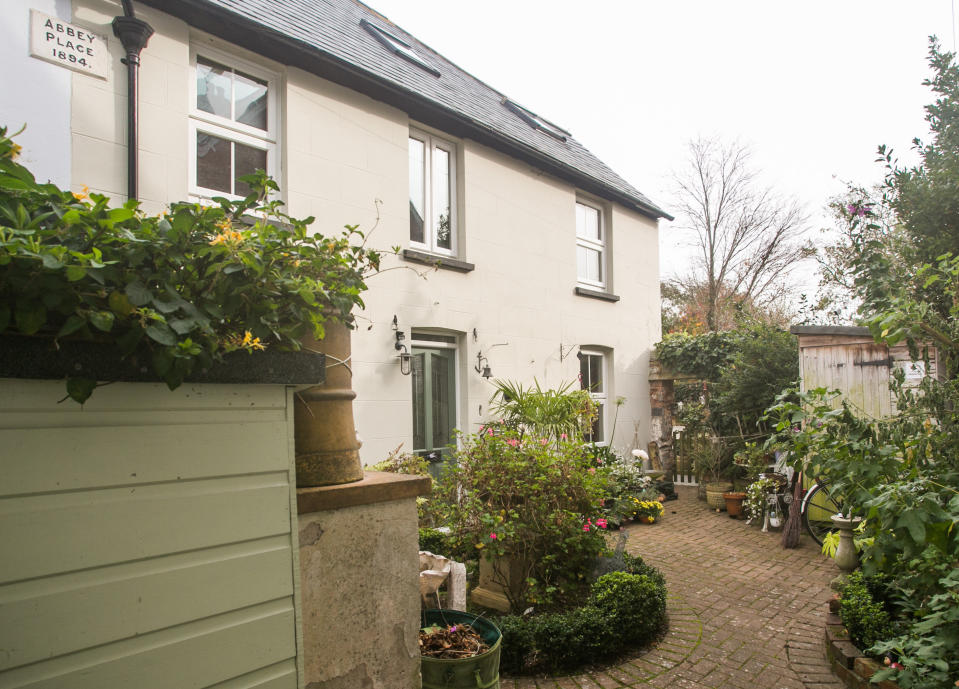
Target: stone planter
[(327, 449), (497, 578)]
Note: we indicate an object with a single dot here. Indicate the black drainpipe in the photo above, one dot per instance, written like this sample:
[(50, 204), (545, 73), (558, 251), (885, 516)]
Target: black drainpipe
[(133, 34)]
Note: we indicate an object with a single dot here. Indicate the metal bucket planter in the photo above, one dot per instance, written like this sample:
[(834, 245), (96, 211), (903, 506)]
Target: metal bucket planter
[(478, 672)]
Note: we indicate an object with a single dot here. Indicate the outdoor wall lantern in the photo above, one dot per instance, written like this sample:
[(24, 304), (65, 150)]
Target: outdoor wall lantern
[(406, 359), (482, 366)]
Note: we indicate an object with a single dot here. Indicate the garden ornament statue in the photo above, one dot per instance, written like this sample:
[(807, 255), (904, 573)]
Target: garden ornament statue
[(435, 570)]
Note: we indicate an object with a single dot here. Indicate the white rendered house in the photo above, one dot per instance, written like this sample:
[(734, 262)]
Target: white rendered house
[(522, 255)]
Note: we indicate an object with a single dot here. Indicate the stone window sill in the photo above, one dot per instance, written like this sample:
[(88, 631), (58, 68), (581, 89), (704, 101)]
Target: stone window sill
[(434, 260), (596, 294)]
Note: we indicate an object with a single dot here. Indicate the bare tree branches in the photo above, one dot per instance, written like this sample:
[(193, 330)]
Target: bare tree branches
[(748, 238)]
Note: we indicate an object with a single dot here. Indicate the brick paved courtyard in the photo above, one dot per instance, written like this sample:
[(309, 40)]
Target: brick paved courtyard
[(744, 613)]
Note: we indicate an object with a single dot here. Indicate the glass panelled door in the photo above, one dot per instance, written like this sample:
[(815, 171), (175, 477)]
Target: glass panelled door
[(434, 401)]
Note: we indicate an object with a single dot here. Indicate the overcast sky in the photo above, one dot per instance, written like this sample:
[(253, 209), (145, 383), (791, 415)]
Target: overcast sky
[(812, 87)]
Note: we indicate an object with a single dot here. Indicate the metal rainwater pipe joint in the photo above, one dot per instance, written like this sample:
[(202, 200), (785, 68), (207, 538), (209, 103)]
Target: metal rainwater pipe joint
[(133, 34)]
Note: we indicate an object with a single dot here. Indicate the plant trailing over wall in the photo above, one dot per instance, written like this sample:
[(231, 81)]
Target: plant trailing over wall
[(739, 375), (178, 290), (703, 356)]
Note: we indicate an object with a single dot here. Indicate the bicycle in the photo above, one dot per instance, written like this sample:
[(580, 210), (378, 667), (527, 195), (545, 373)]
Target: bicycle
[(817, 508)]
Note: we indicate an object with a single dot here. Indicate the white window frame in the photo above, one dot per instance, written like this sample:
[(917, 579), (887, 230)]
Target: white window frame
[(600, 245), (601, 397), (431, 142), (226, 128)]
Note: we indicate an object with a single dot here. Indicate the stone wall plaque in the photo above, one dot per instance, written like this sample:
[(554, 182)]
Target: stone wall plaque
[(68, 45)]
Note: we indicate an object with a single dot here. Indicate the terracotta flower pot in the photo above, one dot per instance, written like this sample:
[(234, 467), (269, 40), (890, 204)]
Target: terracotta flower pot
[(734, 504)]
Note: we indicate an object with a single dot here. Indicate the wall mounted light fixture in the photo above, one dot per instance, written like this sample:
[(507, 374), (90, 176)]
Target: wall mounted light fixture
[(406, 359)]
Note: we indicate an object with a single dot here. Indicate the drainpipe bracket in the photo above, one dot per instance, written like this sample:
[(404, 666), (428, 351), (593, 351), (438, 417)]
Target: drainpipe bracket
[(133, 34)]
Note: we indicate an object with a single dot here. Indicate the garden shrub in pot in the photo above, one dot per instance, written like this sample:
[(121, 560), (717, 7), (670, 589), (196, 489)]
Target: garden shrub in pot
[(534, 500)]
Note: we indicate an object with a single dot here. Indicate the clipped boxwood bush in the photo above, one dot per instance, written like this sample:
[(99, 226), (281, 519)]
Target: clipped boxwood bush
[(624, 611), (863, 615), (634, 599)]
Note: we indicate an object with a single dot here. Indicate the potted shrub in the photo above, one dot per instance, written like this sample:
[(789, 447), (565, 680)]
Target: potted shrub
[(707, 458)]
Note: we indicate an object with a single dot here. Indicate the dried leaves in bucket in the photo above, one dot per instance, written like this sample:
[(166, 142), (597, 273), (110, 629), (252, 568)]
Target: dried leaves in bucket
[(451, 641)]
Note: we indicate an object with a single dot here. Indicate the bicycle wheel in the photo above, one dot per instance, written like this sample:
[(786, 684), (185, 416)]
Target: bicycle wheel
[(817, 508)]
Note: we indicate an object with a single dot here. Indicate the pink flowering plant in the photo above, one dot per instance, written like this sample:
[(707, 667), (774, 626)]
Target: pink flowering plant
[(512, 496)]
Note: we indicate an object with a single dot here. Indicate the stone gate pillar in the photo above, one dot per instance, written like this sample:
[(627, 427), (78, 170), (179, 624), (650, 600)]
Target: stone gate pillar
[(661, 402)]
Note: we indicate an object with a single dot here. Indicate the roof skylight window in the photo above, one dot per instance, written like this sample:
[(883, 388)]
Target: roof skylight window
[(395, 45), (537, 122)]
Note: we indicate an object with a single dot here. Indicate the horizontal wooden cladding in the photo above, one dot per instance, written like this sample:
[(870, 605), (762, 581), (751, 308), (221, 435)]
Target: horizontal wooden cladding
[(279, 676), (142, 597), (132, 455), (146, 537), (72, 531), (251, 647)]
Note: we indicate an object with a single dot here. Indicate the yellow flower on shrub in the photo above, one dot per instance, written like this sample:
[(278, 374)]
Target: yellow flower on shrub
[(227, 237), (247, 342)]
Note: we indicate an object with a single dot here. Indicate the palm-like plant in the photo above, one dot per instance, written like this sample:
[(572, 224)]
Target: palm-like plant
[(546, 413)]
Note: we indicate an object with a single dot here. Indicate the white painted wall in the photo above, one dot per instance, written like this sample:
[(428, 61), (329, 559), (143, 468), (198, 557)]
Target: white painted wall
[(35, 93), (344, 161)]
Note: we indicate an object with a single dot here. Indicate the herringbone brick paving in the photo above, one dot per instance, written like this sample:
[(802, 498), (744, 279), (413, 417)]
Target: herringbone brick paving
[(743, 612)]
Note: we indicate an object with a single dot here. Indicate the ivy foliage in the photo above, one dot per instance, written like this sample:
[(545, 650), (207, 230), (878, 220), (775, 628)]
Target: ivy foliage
[(740, 373), (703, 356), (179, 289)]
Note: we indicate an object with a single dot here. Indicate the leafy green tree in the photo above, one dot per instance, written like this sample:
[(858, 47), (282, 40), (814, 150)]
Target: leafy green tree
[(902, 473)]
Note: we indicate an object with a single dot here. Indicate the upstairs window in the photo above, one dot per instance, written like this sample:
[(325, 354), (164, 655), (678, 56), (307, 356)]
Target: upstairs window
[(590, 246), (432, 193), (232, 125), (592, 377)]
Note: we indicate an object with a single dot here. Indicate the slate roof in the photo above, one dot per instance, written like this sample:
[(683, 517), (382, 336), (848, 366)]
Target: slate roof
[(331, 32)]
